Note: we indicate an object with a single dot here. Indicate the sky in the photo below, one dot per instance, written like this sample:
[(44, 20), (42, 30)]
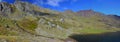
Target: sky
[(104, 6)]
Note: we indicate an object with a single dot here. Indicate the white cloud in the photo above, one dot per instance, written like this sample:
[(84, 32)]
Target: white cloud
[(54, 2), (48, 2), (38, 2)]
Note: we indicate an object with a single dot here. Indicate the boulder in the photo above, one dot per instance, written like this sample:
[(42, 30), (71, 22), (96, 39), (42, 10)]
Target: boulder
[(5, 9)]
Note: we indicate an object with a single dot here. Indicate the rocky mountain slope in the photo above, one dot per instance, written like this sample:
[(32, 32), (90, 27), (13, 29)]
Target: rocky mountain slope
[(25, 22)]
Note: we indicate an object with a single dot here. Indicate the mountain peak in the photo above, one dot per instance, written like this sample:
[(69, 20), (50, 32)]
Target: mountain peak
[(69, 11), (89, 10), (88, 13)]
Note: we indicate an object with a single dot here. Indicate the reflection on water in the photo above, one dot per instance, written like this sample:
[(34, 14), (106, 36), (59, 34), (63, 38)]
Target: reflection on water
[(104, 37)]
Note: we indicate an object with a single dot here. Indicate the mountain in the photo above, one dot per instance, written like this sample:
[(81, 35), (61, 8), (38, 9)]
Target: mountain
[(88, 13), (110, 20), (25, 22)]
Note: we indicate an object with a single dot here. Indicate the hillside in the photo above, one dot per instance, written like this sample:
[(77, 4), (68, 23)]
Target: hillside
[(25, 22)]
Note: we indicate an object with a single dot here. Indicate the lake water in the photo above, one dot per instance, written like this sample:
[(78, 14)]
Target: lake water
[(104, 37)]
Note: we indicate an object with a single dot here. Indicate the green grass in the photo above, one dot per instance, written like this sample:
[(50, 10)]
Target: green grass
[(5, 25), (77, 25), (28, 24), (13, 38)]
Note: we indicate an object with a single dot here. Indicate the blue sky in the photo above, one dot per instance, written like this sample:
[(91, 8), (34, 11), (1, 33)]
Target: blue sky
[(104, 6)]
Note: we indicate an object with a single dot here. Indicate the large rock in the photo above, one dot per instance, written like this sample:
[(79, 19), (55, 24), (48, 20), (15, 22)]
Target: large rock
[(23, 6), (5, 8)]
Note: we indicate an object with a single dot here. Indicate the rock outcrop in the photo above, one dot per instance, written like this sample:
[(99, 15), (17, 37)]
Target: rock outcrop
[(6, 9)]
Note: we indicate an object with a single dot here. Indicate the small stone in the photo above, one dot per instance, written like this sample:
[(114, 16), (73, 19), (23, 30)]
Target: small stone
[(7, 26), (59, 27), (3, 40), (62, 20), (42, 21), (53, 25), (49, 23)]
